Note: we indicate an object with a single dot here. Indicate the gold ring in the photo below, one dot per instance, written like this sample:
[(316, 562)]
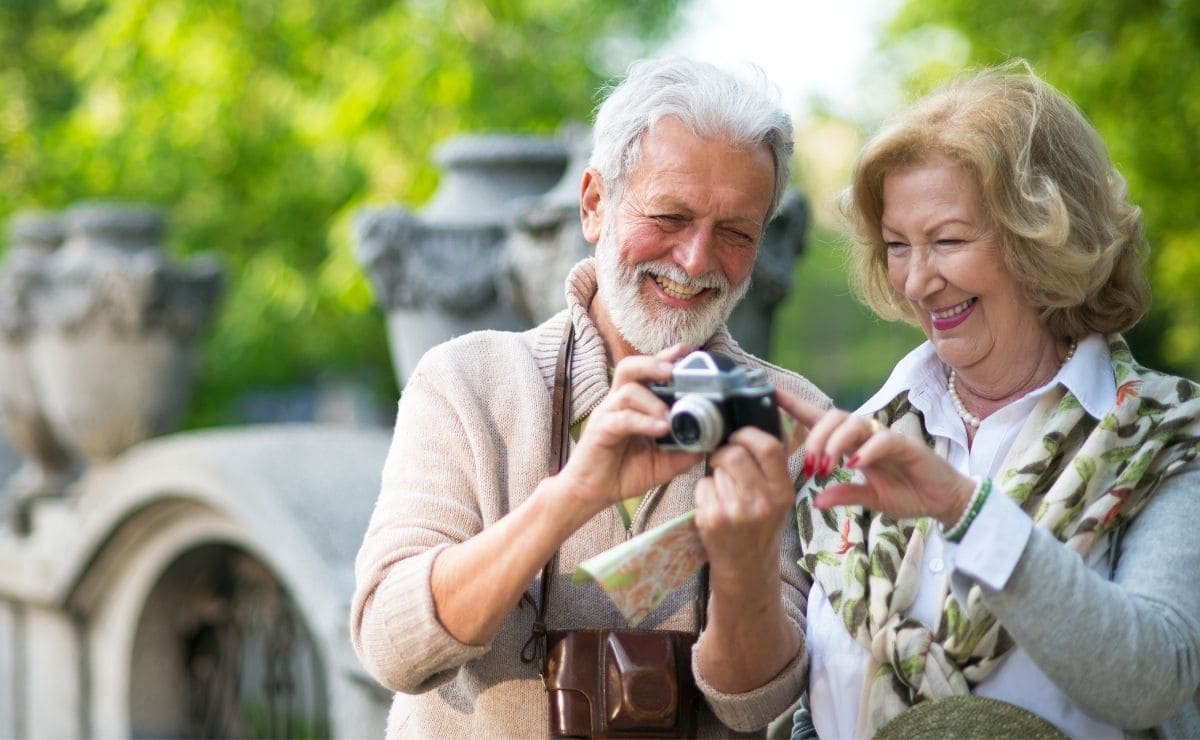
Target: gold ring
[(875, 426)]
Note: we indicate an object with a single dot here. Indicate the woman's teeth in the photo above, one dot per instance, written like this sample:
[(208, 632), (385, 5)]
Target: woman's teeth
[(953, 310), (676, 290)]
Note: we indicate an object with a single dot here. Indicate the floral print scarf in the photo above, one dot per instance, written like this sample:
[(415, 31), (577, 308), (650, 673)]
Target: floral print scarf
[(1077, 477)]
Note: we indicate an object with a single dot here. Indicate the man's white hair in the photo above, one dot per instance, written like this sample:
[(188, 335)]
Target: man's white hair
[(744, 109)]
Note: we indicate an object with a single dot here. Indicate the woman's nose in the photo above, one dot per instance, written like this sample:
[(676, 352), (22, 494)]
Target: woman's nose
[(923, 277)]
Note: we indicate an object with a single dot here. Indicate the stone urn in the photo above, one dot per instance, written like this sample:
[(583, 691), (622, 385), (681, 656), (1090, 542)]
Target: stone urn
[(437, 272), (545, 239), (48, 463), (116, 329), (753, 319)]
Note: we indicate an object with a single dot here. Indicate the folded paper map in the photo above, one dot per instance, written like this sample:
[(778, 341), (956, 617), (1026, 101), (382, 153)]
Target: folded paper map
[(639, 573)]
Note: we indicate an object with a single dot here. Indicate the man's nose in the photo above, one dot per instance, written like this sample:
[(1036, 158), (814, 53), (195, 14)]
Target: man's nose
[(695, 251)]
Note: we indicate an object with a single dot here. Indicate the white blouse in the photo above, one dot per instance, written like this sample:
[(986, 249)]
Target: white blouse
[(987, 554)]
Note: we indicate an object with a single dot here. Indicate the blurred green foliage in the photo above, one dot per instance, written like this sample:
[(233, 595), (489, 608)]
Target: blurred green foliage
[(260, 126), (1134, 69), (824, 333)]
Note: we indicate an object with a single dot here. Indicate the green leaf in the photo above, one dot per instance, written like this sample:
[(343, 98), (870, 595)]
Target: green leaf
[(1068, 403), (1052, 442), (827, 558), (1119, 454), (1085, 466)]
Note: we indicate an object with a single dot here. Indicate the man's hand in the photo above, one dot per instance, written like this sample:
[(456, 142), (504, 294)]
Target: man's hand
[(616, 457), (741, 510)]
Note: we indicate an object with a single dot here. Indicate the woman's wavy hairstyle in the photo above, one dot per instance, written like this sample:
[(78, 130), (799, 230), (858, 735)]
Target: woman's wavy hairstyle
[(1068, 232)]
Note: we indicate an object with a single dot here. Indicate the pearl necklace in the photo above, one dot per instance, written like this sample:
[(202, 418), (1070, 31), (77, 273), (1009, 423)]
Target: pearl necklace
[(972, 419)]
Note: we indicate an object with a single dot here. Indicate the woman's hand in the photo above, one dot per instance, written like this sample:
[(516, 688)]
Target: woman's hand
[(617, 457), (904, 478)]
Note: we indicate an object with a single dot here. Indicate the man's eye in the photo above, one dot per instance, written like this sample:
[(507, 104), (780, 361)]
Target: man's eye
[(739, 237)]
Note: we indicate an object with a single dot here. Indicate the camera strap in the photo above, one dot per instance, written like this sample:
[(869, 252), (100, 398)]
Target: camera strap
[(560, 450)]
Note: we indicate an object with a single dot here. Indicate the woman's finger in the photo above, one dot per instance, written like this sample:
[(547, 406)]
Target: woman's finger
[(817, 454), (849, 437), (802, 411), (884, 446), (845, 494)]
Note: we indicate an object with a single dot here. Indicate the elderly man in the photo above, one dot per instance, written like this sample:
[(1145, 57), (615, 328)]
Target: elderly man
[(688, 166)]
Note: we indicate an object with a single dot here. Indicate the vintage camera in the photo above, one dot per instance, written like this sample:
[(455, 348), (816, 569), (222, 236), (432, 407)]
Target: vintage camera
[(711, 397)]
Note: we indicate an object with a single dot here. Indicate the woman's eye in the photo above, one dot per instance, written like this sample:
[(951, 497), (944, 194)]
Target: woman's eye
[(893, 246)]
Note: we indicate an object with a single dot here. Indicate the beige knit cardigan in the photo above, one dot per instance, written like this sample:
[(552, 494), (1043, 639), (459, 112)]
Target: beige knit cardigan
[(471, 442)]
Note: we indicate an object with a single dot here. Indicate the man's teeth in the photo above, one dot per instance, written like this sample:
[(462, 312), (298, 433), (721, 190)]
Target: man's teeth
[(677, 290), (953, 310)]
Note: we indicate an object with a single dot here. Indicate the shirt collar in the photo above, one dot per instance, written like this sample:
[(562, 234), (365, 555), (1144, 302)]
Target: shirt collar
[(1088, 375)]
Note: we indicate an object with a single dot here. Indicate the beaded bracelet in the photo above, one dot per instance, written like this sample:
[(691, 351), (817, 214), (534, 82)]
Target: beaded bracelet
[(982, 488)]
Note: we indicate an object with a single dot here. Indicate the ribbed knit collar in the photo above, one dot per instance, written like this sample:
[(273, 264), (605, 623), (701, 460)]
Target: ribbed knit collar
[(589, 364)]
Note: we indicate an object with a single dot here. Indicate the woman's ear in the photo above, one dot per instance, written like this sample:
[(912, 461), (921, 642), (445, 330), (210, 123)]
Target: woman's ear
[(591, 205)]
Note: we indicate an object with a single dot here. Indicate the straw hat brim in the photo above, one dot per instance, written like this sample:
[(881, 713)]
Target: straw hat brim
[(968, 717)]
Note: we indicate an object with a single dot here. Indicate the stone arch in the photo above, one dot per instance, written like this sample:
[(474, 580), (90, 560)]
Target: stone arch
[(281, 506), (176, 577)]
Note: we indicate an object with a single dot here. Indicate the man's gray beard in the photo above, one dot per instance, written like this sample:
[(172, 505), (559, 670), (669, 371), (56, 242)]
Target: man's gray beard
[(653, 328)]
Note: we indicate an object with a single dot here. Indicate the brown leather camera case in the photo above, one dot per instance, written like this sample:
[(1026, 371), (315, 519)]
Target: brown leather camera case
[(621, 683)]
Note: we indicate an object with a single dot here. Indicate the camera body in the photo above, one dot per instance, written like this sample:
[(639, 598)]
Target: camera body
[(710, 397)]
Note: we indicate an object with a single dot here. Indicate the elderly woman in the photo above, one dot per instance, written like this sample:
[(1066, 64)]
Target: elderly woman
[(1012, 515)]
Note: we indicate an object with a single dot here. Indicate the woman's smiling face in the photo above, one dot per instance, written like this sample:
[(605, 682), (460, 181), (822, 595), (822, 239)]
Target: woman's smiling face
[(945, 258)]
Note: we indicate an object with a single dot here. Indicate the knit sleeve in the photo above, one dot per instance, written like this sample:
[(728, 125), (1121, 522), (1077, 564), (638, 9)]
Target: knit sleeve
[(427, 502), (1126, 650)]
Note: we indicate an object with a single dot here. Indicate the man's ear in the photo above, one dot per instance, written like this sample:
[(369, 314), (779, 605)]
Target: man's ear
[(591, 205)]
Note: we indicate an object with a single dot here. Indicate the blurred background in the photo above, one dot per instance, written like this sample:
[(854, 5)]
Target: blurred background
[(260, 127), (331, 170)]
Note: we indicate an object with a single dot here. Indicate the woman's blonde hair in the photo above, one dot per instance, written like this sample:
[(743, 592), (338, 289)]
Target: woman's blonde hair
[(1068, 232)]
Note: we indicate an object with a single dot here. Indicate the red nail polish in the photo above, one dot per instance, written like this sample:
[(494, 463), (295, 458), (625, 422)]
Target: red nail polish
[(853, 461), (808, 464), (826, 464)]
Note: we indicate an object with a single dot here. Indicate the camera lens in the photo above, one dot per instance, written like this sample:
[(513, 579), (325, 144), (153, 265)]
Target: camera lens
[(685, 429), (696, 424)]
